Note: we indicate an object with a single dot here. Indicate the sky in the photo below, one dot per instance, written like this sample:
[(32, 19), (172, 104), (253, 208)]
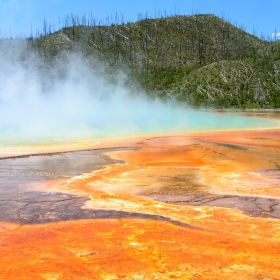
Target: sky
[(19, 17)]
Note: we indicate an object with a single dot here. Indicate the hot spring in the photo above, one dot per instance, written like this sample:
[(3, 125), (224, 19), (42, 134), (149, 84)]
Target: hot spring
[(85, 104)]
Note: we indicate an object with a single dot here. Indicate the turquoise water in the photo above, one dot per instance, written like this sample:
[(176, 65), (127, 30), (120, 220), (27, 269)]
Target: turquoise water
[(169, 119), (87, 104)]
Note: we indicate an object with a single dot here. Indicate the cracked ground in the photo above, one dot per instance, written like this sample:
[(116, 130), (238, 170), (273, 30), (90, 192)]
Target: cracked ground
[(190, 206)]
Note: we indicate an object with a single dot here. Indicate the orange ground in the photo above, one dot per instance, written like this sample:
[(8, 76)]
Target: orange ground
[(198, 242)]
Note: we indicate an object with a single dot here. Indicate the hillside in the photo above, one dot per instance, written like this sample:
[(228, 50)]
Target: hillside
[(201, 59)]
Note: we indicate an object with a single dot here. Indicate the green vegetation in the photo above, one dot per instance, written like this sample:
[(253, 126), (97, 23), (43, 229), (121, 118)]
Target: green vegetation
[(200, 60)]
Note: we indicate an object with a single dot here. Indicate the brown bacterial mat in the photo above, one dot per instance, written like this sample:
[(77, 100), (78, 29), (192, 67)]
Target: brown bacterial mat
[(201, 205)]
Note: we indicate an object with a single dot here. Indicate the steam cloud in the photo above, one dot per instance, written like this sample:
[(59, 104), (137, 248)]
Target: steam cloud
[(85, 104)]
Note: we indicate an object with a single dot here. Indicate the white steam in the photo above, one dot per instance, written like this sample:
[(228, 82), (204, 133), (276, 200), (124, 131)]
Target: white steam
[(85, 104)]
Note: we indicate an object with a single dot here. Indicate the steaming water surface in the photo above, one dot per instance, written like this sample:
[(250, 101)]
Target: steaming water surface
[(86, 104), (153, 118)]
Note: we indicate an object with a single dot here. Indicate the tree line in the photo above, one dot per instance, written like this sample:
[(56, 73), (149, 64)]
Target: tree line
[(202, 60)]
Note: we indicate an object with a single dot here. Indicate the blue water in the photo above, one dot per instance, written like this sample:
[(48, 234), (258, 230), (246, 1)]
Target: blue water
[(114, 124)]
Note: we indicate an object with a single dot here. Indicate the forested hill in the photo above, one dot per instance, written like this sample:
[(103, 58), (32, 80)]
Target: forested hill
[(201, 60)]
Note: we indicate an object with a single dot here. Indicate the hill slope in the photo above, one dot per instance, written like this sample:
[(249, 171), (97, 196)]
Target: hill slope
[(200, 59)]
